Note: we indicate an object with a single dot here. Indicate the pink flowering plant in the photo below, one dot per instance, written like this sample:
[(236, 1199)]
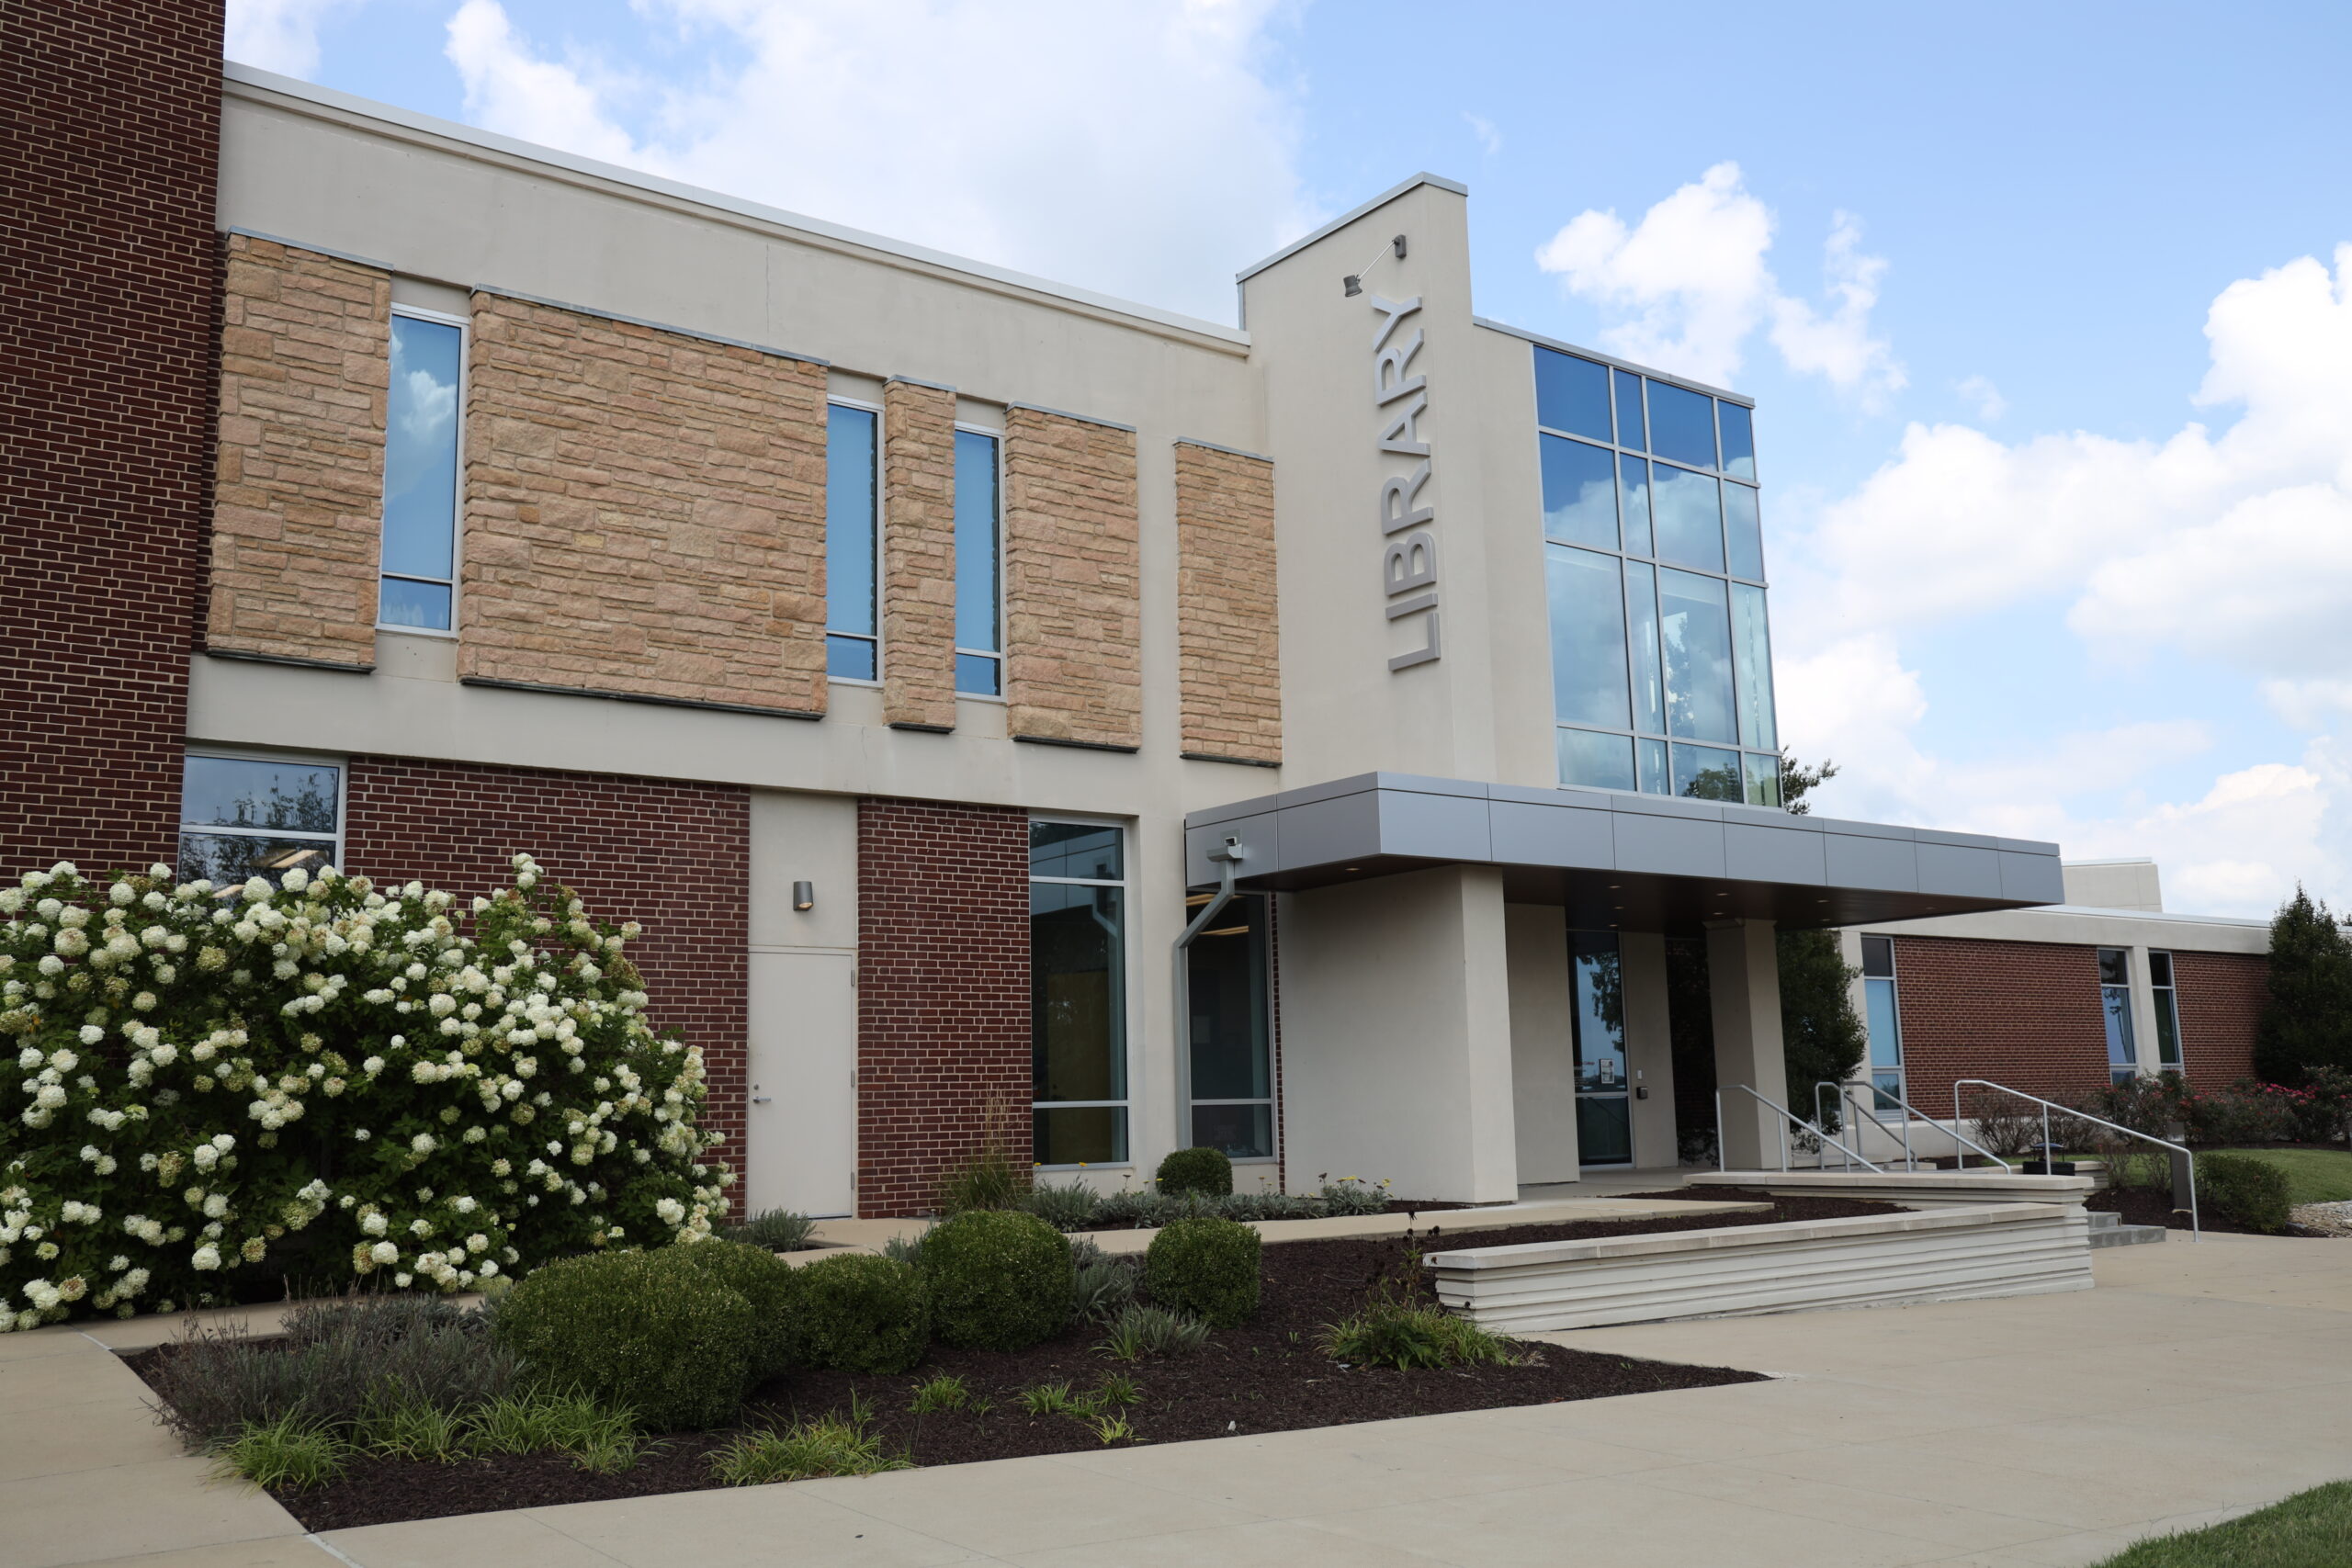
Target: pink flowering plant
[(217, 1088)]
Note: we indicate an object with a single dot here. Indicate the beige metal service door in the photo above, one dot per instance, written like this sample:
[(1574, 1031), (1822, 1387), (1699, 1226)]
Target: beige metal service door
[(801, 1128)]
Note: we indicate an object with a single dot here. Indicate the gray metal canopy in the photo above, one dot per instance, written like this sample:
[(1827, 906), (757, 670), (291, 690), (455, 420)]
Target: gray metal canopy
[(1639, 862)]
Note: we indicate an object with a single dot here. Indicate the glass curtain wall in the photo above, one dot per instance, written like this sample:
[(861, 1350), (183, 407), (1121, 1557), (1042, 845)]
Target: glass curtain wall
[(1883, 1013), (1231, 1043), (2115, 1003), (1661, 643), (1078, 978)]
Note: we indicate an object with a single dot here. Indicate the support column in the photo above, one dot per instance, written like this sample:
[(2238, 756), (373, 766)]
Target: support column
[(1744, 987), (1396, 1035), (1649, 1049)]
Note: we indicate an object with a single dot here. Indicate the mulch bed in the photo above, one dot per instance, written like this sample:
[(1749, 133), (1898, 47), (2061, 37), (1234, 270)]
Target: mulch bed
[(1266, 1376), (2145, 1206)]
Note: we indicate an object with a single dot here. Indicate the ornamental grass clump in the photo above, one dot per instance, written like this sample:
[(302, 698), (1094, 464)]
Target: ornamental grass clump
[(1136, 1331), (1100, 1286), (219, 1090), (863, 1313), (645, 1330), (1205, 1267), (832, 1444), (779, 1230), (1409, 1336), (997, 1280), (289, 1453)]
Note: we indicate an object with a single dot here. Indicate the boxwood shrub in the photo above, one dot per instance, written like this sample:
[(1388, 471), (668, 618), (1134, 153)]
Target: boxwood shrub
[(2251, 1192), (1207, 1267), (999, 1280), (863, 1313), (1196, 1170), (652, 1331), (770, 1284)]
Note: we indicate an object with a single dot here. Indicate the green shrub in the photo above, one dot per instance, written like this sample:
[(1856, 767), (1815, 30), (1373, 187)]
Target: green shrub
[(325, 1081), (863, 1313), (999, 1279), (1196, 1170), (1207, 1268), (1395, 1333), (647, 1330), (2250, 1191), (768, 1283), (779, 1230)]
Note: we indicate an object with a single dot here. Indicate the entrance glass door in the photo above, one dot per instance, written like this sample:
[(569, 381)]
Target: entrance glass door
[(1604, 1109)]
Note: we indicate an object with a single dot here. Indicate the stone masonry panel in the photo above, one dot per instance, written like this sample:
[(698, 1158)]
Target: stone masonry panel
[(1228, 641), (644, 513), (298, 495), (919, 555), (942, 995), (1073, 580)]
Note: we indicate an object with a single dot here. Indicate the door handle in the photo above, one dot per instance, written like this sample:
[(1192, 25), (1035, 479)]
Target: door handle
[(761, 1099)]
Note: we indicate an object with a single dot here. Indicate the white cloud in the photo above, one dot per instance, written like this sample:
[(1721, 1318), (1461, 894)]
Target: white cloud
[(1490, 141), (1980, 390), (278, 35), (1689, 285), (1146, 149)]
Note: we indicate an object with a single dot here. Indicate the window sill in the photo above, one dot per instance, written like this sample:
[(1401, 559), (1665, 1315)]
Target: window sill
[(418, 631)]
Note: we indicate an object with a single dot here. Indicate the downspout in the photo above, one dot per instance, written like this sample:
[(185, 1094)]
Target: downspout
[(1228, 856)]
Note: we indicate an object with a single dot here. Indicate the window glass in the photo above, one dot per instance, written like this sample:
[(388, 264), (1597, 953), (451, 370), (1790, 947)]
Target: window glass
[(1571, 394), (242, 818), (2167, 1011), (1739, 439), (1594, 761), (1752, 642), (1077, 997), (1580, 493), (1689, 517), (979, 593), (2115, 1003), (1231, 1061), (1701, 772), (1878, 955), (1682, 425), (1635, 490), (850, 542), (421, 474), (1631, 429), (1696, 633), (1587, 638), (1604, 1128), (1882, 1015), (1641, 620), (1655, 777), (1090, 850), (2160, 969), (2114, 967), (1743, 531), (1763, 777)]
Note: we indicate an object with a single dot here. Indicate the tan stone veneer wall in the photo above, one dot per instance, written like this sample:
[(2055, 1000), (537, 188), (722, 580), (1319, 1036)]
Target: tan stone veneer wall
[(1073, 580), (1228, 644), (645, 512), (297, 501), (918, 555)]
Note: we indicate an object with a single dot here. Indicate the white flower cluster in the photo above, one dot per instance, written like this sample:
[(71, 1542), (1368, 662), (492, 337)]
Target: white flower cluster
[(472, 1099)]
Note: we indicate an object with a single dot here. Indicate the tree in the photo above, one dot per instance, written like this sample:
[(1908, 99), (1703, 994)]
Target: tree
[(1797, 780), (1822, 1035), (2307, 1024)]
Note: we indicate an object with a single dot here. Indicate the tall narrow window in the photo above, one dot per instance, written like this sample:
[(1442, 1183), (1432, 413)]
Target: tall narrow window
[(247, 817), (979, 593), (852, 631), (1078, 977), (2115, 1003), (1883, 1017), (2167, 1002), (418, 589), (1232, 1061), (1604, 1110)]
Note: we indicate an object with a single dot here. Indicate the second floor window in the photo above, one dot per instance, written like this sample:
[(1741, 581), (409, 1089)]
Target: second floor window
[(1883, 1013), (418, 588), (852, 632), (979, 588), (2167, 1000)]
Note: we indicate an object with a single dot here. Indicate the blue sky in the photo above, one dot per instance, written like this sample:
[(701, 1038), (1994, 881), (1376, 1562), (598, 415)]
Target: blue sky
[(1987, 270)]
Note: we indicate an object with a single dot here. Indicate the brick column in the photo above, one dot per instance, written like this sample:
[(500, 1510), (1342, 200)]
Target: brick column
[(110, 130), (942, 993)]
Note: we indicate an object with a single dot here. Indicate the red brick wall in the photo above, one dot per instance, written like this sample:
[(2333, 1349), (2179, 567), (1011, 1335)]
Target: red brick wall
[(110, 132), (2220, 996), (942, 993), (674, 857), (2026, 1014)]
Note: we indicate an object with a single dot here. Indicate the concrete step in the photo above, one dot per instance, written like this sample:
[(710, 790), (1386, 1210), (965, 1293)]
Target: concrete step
[(2107, 1229)]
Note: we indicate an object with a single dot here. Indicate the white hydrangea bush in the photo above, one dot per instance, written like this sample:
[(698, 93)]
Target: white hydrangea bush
[(217, 1088)]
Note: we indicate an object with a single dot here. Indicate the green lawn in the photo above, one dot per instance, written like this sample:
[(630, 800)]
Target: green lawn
[(2310, 1530), (2313, 1176)]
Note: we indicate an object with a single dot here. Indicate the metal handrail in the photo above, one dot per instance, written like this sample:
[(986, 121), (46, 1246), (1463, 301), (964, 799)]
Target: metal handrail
[(1788, 1119), (2196, 1232), (1846, 1095)]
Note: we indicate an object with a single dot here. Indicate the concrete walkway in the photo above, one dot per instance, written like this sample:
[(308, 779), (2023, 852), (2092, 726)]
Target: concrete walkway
[(2195, 1383)]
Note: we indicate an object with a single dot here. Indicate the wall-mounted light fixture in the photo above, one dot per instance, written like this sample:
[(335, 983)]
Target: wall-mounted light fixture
[(804, 895), (1354, 280)]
